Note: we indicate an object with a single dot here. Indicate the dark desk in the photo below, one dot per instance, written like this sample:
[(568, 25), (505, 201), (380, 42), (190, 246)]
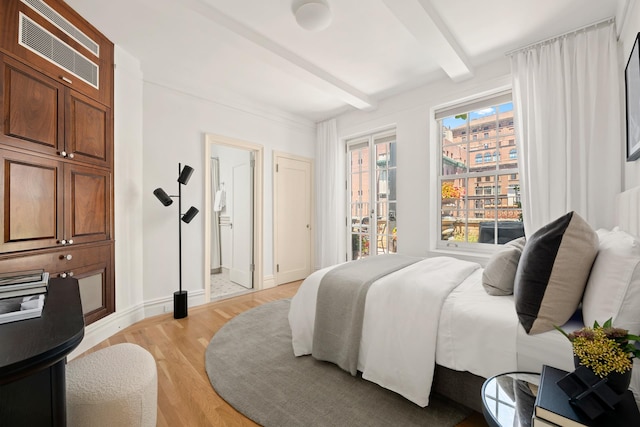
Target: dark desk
[(33, 355)]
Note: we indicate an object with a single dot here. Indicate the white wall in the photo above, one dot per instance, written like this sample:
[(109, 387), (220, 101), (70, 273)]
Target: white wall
[(174, 128), (630, 28), (410, 113)]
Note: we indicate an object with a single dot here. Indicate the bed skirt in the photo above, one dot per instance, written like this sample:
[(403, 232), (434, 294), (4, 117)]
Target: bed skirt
[(462, 387)]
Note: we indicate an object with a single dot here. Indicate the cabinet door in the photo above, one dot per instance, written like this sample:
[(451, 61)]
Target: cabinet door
[(31, 215), (87, 204), (93, 281), (32, 109), (87, 130)]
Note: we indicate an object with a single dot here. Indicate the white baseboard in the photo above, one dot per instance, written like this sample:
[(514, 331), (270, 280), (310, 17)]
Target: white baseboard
[(102, 329), (269, 282)]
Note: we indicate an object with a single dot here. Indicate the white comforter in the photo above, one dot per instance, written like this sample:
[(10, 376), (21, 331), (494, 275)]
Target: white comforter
[(400, 327)]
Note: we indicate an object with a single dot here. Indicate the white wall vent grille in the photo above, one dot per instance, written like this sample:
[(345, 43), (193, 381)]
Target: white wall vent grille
[(59, 21), (38, 40)]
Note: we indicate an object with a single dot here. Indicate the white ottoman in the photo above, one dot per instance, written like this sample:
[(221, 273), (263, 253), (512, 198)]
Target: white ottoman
[(115, 386)]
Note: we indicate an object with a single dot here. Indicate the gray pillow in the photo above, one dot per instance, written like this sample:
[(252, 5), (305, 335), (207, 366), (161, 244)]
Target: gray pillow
[(500, 272)]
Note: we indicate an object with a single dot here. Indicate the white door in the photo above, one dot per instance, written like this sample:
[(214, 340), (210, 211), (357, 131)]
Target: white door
[(292, 225), (241, 271)]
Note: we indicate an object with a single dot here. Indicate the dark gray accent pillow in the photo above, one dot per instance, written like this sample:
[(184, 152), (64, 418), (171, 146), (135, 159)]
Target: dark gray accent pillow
[(500, 272), (553, 272)]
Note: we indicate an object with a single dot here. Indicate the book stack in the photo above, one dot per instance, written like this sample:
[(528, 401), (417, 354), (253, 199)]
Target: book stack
[(553, 407), (22, 295)]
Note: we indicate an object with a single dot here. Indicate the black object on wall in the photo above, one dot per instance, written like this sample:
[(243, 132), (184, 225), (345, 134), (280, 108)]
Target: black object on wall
[(184, 174)]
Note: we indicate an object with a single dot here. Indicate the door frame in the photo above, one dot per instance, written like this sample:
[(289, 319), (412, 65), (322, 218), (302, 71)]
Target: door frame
[(277, 155), (211, 139)]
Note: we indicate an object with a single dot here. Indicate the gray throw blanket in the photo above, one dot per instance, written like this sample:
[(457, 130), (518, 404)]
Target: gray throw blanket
[(340, 307)]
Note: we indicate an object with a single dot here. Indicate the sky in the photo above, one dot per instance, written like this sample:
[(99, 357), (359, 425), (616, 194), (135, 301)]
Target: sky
[(452, 122)]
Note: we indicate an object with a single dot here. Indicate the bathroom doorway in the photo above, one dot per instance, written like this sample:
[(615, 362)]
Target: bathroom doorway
[(233, 206)]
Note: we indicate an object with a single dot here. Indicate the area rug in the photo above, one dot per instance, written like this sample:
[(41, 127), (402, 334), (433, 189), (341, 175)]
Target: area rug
[(251, 365)]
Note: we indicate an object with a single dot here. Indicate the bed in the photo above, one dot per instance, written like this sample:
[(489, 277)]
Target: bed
[(421, 335)]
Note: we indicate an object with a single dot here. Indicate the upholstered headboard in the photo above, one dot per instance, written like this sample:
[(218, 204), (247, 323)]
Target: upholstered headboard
[(628, 210)]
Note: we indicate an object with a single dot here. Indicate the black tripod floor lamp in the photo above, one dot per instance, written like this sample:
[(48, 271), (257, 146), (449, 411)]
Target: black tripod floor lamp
[(180, 297)]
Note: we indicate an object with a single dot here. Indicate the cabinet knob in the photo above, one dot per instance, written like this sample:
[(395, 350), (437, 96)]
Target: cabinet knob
[(68, 257), (66, 79), (71, 274), (63, 242), (63, 275), (63, 153), (70, 242), (71, 155)]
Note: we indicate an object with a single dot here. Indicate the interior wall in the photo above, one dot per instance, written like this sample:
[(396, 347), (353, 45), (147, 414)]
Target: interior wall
[(630, 28), (174, 128), (128, 180), (410, 113)]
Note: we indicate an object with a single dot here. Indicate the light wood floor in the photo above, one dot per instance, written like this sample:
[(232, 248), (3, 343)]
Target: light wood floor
[(185, 395)]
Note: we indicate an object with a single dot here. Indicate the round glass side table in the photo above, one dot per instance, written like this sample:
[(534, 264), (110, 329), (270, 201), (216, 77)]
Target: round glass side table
[(508, 399)]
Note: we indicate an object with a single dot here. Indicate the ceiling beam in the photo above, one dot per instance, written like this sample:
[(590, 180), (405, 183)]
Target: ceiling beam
[(293, 63), (422, 20)]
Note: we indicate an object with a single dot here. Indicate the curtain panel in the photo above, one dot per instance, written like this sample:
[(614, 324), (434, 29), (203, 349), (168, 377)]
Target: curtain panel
[(328, 195), (567, 105)]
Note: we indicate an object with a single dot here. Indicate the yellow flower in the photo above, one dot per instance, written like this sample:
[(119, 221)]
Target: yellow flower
[(603, 349)]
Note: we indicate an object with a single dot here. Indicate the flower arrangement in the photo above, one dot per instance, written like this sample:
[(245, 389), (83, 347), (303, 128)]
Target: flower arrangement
[(450, 191), (603, 349)]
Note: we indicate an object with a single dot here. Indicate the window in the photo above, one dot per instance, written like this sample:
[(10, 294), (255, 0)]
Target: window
[(371, 172), (479, 202)]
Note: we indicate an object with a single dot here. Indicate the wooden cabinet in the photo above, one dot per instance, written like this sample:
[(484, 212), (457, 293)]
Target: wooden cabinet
[(54, 39), (42, 115), (91, 264), (50, 203), (56, 148)]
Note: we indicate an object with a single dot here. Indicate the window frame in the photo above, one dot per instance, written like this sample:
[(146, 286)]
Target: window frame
[(471, 103)]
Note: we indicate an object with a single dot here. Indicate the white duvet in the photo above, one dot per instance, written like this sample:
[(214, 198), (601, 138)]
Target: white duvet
[(400, 327)]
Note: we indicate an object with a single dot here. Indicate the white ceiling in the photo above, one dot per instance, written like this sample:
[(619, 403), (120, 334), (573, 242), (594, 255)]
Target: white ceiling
[(252, 54)]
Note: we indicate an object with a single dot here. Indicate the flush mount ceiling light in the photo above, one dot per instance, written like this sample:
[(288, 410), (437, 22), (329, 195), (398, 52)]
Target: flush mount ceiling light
[(312, 15)]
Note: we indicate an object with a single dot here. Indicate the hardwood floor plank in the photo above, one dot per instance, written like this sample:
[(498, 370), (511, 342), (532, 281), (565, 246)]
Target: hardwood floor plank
[(185, 395)]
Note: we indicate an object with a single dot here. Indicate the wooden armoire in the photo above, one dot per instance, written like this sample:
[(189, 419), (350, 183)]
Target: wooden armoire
[(56, 148)]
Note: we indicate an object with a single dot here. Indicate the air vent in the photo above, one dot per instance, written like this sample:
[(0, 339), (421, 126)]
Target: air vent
[(38, 40), (59, 21)]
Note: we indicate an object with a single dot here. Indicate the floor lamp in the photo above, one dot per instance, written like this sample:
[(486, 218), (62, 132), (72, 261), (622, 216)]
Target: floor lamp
[(180, 297)]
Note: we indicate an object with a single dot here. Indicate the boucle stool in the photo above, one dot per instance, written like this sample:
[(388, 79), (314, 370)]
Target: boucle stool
[(115, 386)]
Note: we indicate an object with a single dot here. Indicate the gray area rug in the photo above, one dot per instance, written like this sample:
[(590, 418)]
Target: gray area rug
[(251, 365)]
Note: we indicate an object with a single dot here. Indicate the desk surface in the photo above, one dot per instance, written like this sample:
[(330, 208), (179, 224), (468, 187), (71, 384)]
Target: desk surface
[(27, 346)]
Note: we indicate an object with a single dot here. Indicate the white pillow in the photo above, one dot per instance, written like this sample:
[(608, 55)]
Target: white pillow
[(613, 288)]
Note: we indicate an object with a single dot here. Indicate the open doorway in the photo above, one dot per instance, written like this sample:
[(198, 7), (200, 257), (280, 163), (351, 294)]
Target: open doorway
[(233, 212)]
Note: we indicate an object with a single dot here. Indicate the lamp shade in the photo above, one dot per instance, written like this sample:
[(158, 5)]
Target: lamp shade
[(185, 175), (191, 213), (162, 196)]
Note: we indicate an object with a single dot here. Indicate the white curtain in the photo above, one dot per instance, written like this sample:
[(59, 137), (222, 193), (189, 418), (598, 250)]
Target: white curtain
[(567, 101), (328, 196)]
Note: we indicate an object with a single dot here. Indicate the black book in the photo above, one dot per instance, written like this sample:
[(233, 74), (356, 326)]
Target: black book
[(552, 404)]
